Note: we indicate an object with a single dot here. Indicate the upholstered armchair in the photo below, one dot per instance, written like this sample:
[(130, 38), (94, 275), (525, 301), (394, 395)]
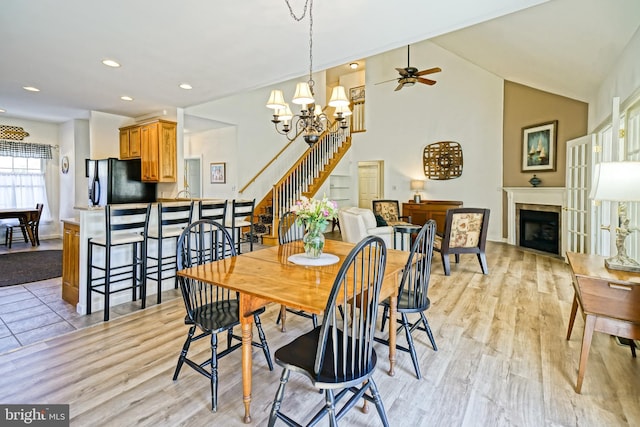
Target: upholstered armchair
[(389, 211), (357, 223), (465, 232)]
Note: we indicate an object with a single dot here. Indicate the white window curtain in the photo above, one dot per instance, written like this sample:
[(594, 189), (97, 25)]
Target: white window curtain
[(19, 190)]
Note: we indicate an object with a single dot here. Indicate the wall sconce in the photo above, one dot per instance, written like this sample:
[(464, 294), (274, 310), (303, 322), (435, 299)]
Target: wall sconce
[(618, 182), (417, 185)]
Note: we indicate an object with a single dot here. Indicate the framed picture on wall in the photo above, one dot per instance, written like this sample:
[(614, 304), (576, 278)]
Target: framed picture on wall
[(218, 173), (356, 93), (539, 147)]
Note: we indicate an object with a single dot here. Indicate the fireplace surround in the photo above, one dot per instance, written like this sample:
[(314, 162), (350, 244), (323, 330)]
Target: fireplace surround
[(540, 198)]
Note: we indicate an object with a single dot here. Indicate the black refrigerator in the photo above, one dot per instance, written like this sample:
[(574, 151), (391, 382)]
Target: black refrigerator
[(114, 181)]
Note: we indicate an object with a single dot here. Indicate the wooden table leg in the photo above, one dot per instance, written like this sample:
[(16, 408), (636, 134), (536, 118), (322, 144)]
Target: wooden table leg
[(572, 317), (393, 314), (247, 337), (589, 326)]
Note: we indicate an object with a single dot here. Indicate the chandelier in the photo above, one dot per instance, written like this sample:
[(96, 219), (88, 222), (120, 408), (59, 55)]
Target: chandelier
[(311, 121)]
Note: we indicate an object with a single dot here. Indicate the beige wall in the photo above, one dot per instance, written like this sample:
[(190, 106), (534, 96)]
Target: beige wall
[(525, 106)]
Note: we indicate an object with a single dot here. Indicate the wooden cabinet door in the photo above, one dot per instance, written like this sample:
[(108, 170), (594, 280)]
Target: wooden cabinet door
[(167, 152), (124, 144), (71, 263), (150, 155), (134, 143)]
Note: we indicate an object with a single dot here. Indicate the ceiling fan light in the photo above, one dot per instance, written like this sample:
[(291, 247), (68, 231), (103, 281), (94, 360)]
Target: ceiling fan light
[(276, 100), (303, 95), (338, 97)]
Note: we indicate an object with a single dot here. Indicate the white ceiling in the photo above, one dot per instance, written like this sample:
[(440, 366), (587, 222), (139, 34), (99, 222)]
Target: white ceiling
[(222, 48)]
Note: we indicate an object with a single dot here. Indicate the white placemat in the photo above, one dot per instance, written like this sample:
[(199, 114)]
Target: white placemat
[(324, 259)]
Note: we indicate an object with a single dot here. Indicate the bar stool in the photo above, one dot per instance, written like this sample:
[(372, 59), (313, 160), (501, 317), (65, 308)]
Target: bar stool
[(172, 219), (126, 225), (240, 211), (215, 210)]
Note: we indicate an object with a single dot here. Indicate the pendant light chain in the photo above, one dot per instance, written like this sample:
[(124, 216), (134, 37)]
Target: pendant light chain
[(308, 3)]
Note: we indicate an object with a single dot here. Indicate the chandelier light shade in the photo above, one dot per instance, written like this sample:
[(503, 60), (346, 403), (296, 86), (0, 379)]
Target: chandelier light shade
[(311, 122), (338, 97), (618, 182)]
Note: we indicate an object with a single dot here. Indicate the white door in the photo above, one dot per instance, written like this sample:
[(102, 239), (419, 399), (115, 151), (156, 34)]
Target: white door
[(577, 218), (370, 182), (192, 176)]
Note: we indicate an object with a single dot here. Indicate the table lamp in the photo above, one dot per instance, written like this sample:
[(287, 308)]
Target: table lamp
[(618, 182), (417, 185)]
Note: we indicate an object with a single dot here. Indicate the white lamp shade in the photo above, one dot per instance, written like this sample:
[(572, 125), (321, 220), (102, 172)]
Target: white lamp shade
[(616, 182), (345, 110), (338, 97), (276, 100), (317, 111), (303, 95), (285, 113), (417, 184)]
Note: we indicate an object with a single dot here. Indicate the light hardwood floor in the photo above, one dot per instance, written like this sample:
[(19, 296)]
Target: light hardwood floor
[(502, 360)]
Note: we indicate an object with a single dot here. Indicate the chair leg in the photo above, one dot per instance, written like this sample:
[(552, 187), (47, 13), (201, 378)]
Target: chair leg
[(282, 317), (275, 408), (263, 340), (214, 372), (314, 319), (330, 405), (10, 236), (445, 264), (24, 233), (159, 283), (483, 262), (378, 402), (457, 257), (107, 282), (427, 329), (183, 353), (89, 277), (412, 348)]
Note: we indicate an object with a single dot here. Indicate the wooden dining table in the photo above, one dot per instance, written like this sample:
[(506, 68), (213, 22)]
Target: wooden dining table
[(267, 276), (24, 215)]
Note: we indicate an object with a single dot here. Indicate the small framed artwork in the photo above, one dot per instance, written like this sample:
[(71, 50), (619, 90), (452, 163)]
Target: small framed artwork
[(218, 173), (539, 147), (356, 93)]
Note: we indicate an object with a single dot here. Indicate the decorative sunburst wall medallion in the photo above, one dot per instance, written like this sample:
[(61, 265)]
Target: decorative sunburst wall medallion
[(442, 160)]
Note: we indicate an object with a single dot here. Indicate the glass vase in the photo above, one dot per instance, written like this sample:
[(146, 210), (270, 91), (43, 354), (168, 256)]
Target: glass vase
[(313, 240)]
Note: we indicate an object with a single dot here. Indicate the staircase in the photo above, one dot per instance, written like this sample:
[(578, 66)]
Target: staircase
[(304, 178)]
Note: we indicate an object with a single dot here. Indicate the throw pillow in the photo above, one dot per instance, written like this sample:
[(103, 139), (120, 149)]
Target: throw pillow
[(380, 222)]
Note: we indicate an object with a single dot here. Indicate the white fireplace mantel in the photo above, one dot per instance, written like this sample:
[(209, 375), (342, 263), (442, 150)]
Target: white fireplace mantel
[(553, 196)]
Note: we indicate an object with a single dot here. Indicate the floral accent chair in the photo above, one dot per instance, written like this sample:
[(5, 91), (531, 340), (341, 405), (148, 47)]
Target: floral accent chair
[(389, 212), (465, 232)]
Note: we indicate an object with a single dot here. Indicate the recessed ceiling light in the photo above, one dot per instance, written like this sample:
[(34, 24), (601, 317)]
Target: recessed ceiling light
[(353, 65), (126, 98), (111, 63), (31, 88), (186, 86)]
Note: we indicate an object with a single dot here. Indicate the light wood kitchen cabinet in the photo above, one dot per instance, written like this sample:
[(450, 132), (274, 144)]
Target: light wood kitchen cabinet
[(159, 151), (71, 263), (130, 142), (429, 209)]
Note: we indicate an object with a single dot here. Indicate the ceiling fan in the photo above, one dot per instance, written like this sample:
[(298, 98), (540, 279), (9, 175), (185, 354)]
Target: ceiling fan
[(410, 75)]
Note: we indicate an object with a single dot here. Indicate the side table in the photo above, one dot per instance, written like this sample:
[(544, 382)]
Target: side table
[(403, 229), (609, 301)]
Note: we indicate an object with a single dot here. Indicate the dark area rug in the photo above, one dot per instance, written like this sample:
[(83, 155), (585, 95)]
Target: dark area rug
[(24, 267)]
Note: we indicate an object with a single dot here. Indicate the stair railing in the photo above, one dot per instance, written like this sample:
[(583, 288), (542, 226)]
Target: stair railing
[(301, 179)]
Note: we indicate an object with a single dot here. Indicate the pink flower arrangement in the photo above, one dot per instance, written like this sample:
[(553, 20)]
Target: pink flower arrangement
[(313, 213)]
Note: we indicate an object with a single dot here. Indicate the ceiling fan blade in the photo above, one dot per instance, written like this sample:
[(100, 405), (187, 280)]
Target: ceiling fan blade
[(399, 87), (429, 71), (403, 72), (426, 81), (386, 81)]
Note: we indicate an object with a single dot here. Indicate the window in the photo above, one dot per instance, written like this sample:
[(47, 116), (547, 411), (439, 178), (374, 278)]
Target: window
[(22, 182)]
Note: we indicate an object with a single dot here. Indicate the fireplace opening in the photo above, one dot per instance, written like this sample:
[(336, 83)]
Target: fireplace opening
[(540, 230)]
